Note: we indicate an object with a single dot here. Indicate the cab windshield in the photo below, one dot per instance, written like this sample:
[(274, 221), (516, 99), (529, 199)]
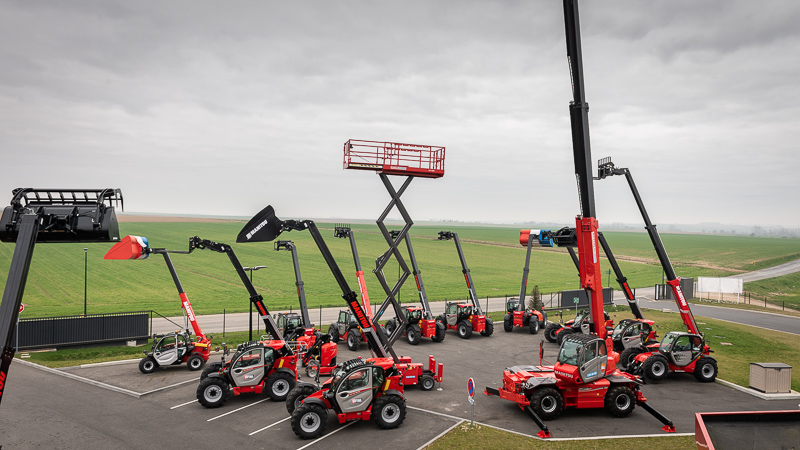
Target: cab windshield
[(666, 344), (512, 305), (570, 350), (619, 329)]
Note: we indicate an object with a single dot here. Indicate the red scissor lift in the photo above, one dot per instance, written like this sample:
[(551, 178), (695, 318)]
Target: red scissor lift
[(409, 160)]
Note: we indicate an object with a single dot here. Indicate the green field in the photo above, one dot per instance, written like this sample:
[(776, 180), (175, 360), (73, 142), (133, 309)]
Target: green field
[(56, 279)]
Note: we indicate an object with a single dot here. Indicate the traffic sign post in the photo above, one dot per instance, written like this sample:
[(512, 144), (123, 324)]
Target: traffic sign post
[(576, 300), (471, 392)]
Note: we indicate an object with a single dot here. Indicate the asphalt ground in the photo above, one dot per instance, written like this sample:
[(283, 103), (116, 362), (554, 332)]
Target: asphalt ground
[(43, 409)]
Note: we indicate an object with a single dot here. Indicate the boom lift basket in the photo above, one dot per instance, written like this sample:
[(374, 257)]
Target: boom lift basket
[(394, 158)]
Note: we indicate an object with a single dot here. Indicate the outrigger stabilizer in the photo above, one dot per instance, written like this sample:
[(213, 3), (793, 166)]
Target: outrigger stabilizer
[(47, 215)]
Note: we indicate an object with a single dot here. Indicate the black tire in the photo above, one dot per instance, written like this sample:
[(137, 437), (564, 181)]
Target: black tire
[(550, 331), (211, 368), (426, 382), (390, 326), (563, 334), (620, 401), (389, 411), (489, 329), (547, 403), (508, 323), (440, 332), (533, 327), (279, 385), (705, 370), (464, 329), (148, 364), (212, 392), (333, 332), (627, 356), (309, 421), (413, 334), (655, 368), (297, 395), (353, 339), (195, 362)]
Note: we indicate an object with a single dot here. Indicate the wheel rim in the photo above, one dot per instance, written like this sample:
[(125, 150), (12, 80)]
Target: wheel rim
[(427, 383), (548, 403), (196, 363), (298, 401), (658, 368), (148, 365), (351, 340), (462, 330), (707, 371), (280, 387), (623, 402), (390, 413), (212, 393), (310, 422)]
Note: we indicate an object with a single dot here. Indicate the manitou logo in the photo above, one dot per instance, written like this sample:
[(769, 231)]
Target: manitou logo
[(362, 319), (189, 312), (564, 374), (255, 230)]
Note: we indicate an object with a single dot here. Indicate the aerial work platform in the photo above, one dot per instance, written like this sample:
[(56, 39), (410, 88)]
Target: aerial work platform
[(393, 158)]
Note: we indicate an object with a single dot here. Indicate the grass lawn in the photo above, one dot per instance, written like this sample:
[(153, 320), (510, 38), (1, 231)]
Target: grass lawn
[(777, 290), (464, 436)]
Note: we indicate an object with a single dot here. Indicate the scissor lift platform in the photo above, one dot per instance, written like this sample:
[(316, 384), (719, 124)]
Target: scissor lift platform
[(394, 158)]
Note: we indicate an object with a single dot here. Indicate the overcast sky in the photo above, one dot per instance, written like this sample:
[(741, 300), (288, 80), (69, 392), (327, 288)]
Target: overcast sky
[(221, 108)]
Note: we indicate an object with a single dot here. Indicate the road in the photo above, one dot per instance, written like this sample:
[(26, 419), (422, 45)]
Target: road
[(770, 272)]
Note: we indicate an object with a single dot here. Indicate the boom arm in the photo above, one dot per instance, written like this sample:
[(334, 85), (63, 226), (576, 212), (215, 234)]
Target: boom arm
[(138, 247), (473, 296), (301, 292), (255, 298), (342, 232), (606, 168), (265, 226)]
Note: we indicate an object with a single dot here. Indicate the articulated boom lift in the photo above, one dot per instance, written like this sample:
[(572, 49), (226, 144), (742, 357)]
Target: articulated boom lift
[(686, 352), (464, 317), (47, 215), (172, 348), (585, 374)]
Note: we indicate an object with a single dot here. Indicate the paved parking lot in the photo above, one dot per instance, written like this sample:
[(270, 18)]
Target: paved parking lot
[(41, 408)]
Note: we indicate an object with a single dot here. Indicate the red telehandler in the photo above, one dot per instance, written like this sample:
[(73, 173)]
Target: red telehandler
[(173, 348), (684, 352), (359, 389), (464, 317), (585, 374)]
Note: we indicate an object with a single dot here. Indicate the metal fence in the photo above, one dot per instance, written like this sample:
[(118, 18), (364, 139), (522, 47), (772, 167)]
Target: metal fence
[(39, 332)]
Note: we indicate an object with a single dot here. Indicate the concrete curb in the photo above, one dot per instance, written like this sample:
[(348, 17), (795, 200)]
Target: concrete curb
[(764, 396)]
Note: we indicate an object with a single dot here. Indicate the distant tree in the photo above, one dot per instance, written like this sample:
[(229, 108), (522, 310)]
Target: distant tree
[(535, 300)]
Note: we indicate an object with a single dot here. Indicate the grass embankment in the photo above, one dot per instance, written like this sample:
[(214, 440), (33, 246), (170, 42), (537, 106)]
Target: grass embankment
[(464, 436), (778, 290)]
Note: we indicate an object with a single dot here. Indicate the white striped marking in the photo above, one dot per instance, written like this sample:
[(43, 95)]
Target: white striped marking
[(329, 434), (237, 409), (270, 426), (184, 404)]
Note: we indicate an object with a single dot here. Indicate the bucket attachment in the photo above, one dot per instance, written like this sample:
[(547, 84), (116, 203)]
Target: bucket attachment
[(263, 227), (64, 215), (130, 247)]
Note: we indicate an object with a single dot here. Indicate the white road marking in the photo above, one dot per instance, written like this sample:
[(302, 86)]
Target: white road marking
[(332, 432), (237, 409), (184, 404), (270, 426), (170, 386)]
